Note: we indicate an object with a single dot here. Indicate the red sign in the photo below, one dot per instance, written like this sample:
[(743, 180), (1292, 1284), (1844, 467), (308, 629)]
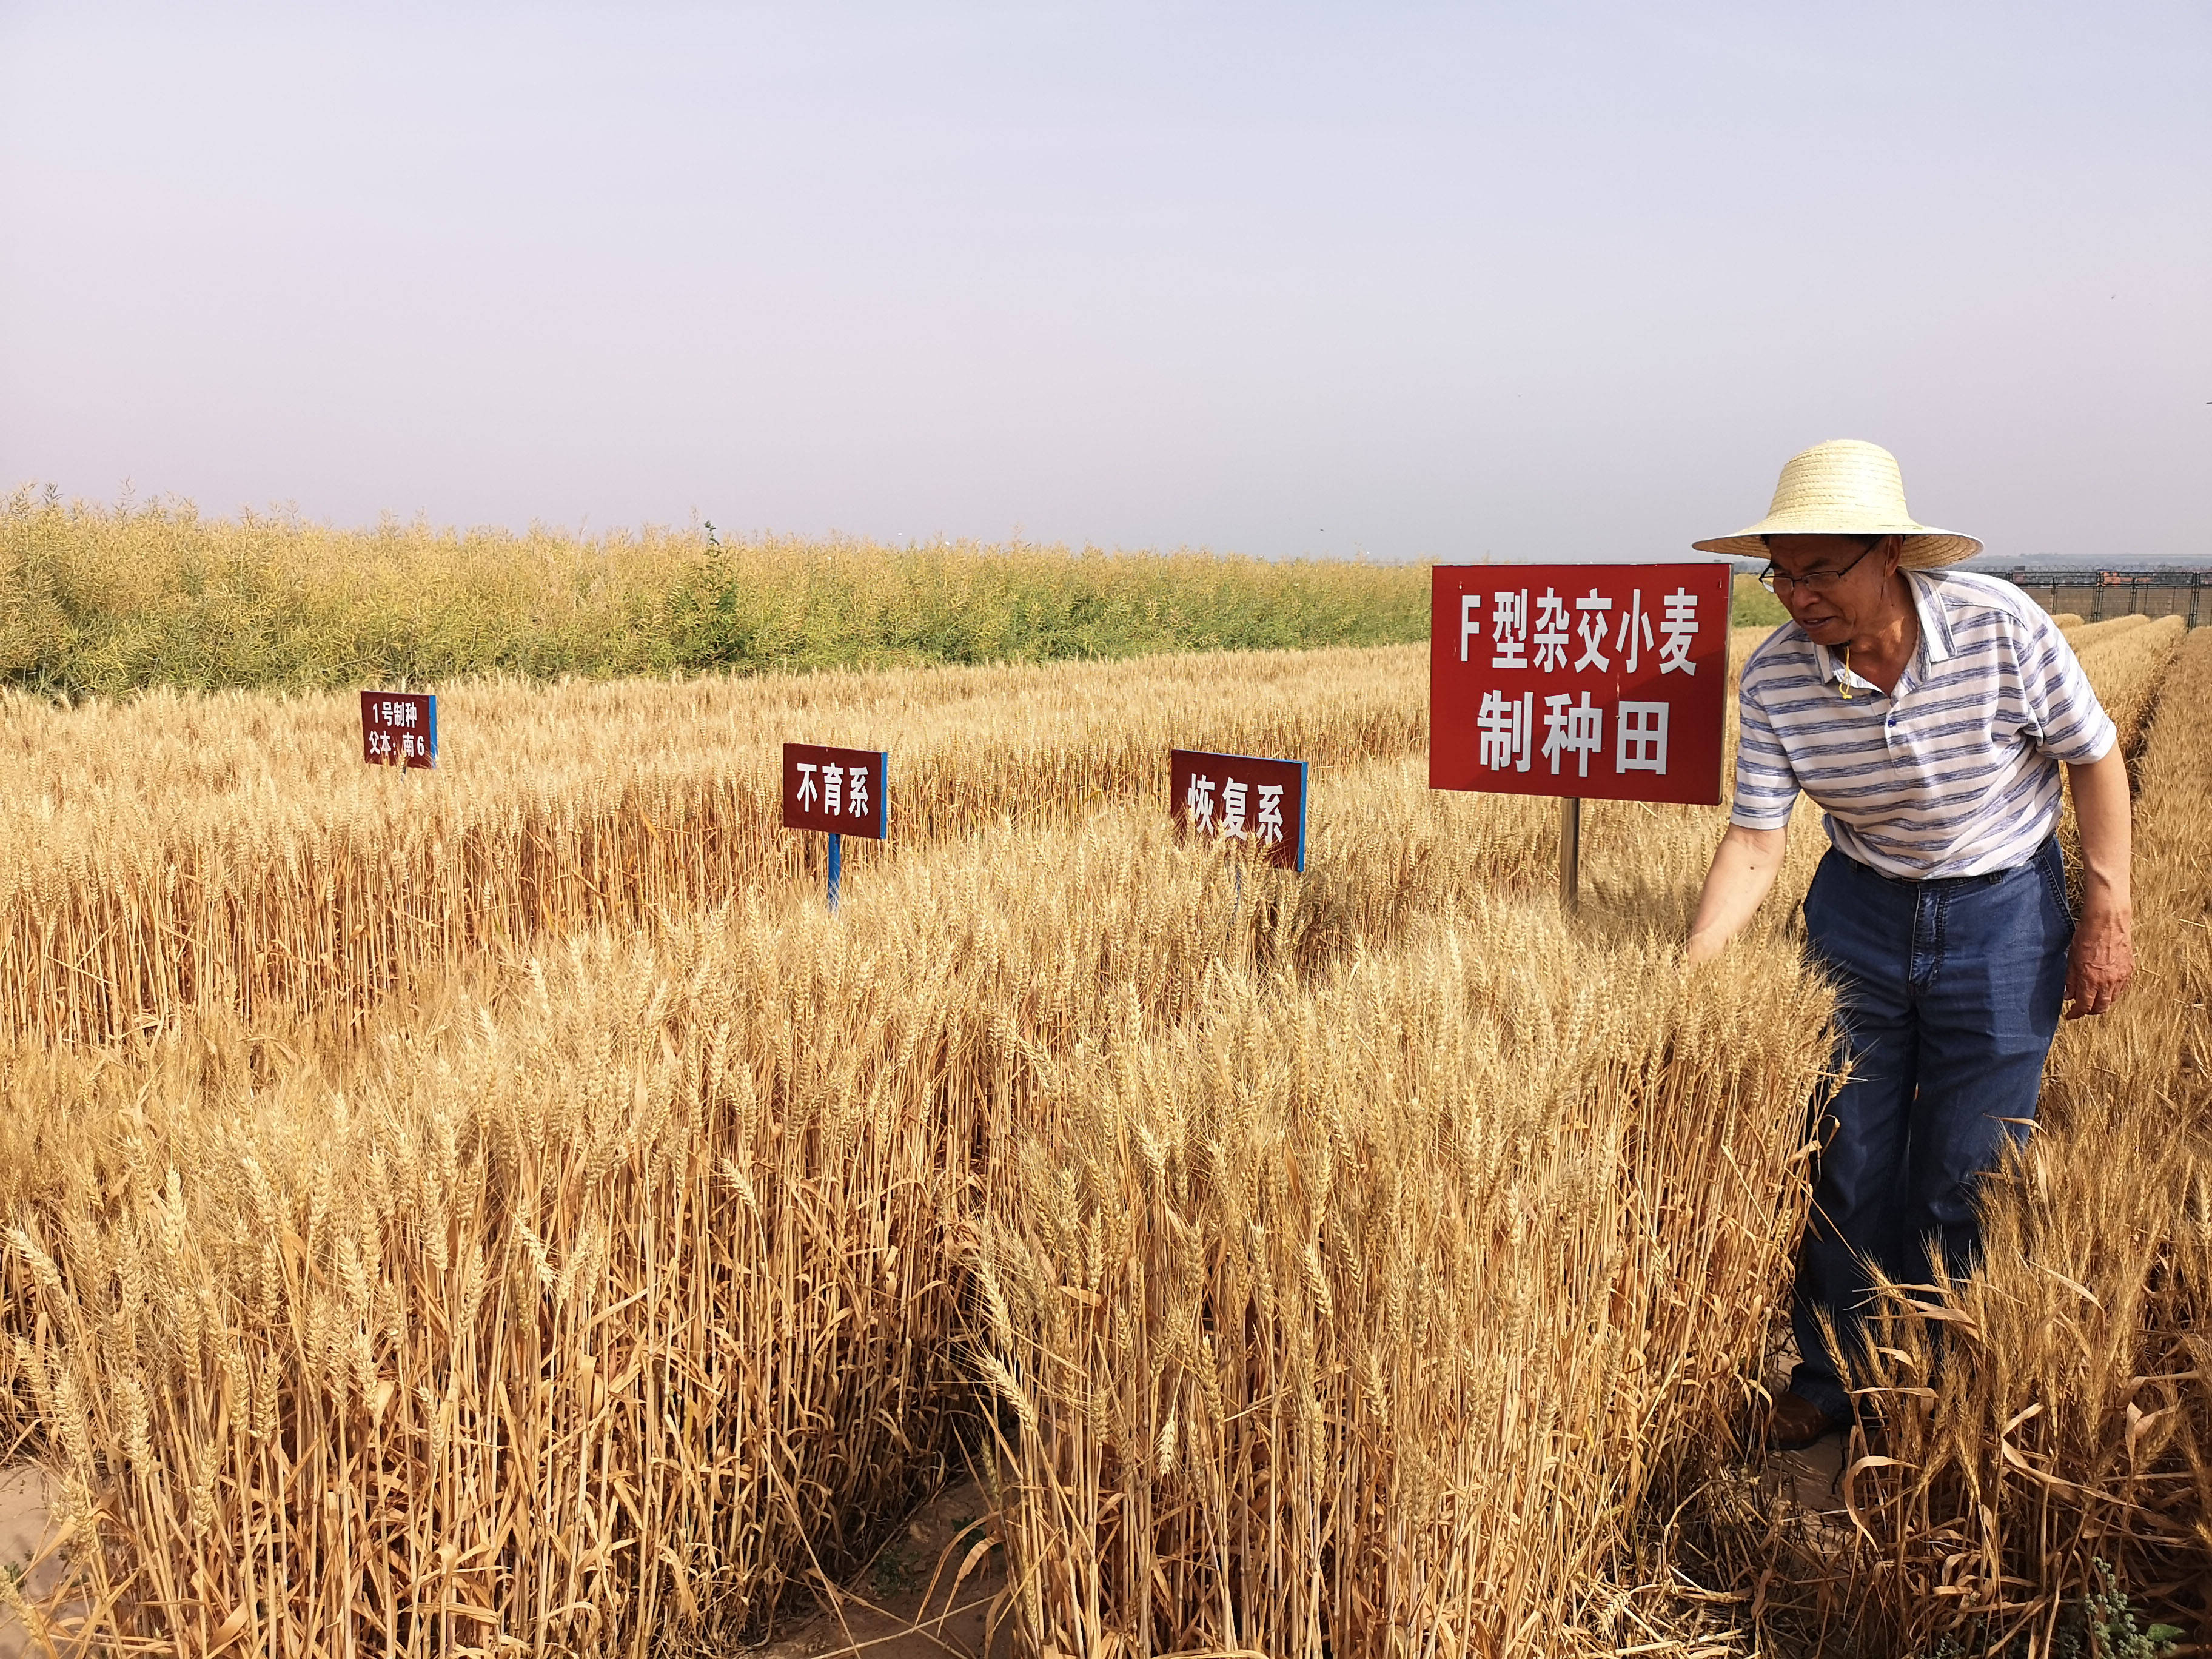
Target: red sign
[(398, 728), (1608, 682), (846, 792), (1243, 798)]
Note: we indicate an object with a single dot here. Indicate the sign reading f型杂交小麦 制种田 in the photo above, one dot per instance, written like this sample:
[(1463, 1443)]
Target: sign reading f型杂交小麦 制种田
[(843, 792), (1241, 797), (1601, 682)]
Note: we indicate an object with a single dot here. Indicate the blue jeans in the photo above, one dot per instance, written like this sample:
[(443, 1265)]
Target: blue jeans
[(1949, 993)]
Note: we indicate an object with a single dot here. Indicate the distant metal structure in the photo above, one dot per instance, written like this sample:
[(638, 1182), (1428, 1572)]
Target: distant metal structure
[(2097, 594)]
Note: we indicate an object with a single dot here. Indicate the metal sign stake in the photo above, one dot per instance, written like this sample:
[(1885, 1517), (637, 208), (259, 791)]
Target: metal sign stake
[(836, 868), (1571, 853)]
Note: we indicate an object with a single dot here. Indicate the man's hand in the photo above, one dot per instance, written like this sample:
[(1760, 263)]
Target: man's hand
[(2099, 966), (2103, 958)]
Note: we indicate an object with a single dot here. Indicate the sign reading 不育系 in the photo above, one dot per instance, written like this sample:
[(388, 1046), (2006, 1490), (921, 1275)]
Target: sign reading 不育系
[(399, 728), (1603, 682), (1241, 797), (843, 790)]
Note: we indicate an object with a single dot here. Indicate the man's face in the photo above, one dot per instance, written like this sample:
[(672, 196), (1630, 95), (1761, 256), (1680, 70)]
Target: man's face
[(1833, 608)]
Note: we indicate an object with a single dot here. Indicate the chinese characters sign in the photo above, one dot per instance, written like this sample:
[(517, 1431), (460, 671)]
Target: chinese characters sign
[(398, 728), (1241, 797), (1605, 682), (843, 790)]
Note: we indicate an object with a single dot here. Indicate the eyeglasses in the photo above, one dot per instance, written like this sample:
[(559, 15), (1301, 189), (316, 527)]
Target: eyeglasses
[(1818, 580)]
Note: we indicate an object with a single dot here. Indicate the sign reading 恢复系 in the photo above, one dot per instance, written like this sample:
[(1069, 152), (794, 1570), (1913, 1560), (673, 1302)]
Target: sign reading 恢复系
[(1604, 681), (843, 790), (1245, 798), (399, 728)]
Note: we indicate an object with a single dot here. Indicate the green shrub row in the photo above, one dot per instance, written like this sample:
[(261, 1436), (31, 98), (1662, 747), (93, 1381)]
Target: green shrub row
[(103, 601)]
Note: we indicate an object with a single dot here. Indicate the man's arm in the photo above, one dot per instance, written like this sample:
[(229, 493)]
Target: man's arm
[(2103, 958), (1744, 868)]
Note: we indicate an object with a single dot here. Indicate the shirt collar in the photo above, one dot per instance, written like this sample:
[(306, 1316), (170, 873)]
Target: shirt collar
[(1936, 645)]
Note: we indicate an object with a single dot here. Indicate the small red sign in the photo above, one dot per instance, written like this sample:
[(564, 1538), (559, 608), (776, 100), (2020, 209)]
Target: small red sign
[(1608, 681), (846, 792), (1241, 797), (399, 728)]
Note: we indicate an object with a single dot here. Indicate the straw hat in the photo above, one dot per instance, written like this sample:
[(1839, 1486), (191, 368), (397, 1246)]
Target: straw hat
[(1845, 487)]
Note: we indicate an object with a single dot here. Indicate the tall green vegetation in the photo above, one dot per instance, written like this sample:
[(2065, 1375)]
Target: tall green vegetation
[(109, 600), (1754, 607)]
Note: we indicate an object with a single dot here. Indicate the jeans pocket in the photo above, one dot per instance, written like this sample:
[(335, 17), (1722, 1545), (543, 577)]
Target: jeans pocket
[(2051, 863), (1816, 890)]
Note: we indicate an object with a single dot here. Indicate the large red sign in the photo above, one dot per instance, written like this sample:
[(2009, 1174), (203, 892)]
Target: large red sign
[(844, 791), (1241, 797), (399, 728), (1606, 682)]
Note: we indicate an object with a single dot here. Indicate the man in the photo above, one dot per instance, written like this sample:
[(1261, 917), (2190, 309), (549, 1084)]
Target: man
[(1929, 712)]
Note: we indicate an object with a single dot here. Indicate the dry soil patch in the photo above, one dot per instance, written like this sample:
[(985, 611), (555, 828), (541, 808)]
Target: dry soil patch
[(28, 1552)]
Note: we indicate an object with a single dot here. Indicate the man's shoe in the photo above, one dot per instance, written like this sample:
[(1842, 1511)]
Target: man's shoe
[(1795, 1423)]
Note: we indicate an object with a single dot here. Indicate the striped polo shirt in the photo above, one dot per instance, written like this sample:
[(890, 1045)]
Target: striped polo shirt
[(1955, 774)]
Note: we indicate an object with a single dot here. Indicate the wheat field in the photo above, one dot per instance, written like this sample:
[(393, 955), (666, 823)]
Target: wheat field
[(499, 1210)]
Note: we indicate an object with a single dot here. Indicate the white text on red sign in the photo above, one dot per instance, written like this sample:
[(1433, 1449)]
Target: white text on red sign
[(1605, 681), (838, 789), (1575, 730), (402, 744), (1226, 817)]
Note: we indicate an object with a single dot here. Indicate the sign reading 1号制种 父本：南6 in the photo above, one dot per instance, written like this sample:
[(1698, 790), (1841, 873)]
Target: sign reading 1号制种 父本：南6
[(1600, 681), (1241, 797), (399, 728), (840, 791)]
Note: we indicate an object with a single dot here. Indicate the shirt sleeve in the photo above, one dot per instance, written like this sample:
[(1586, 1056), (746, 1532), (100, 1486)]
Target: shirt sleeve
[(1766, 783), (2064, 719)]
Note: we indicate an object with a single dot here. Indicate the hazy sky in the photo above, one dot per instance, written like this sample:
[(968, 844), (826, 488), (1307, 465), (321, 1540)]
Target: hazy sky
[(1524, 280)]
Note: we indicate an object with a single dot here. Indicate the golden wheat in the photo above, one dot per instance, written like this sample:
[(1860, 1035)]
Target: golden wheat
[(661, 1229), (499, 1208), (1326, 1320), (178, 851), (2126, 670), (752, 1142), (2084, 634)]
